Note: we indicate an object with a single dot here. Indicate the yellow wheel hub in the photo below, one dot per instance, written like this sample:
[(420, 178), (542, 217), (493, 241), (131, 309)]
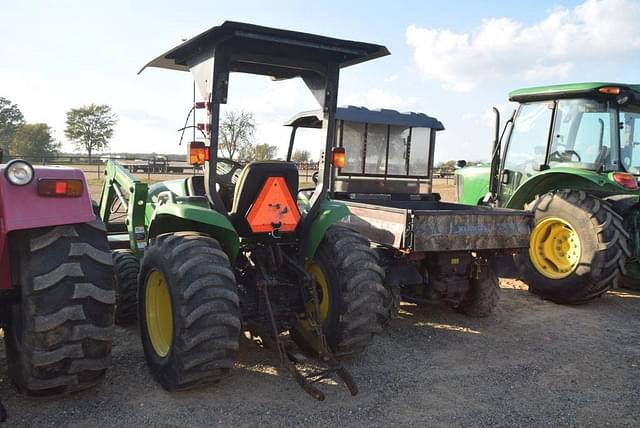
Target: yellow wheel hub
[(322, 289), (554, 248), (158, 313)]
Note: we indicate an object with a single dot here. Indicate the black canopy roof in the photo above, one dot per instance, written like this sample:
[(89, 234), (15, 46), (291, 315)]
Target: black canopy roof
[(313, 119), (255, 47)]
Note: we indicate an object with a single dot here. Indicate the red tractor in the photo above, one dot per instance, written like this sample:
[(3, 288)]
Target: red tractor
[(56, 280)]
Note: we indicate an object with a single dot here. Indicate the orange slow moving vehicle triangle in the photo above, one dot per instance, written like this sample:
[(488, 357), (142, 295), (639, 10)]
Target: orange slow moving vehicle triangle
[(274, 209)]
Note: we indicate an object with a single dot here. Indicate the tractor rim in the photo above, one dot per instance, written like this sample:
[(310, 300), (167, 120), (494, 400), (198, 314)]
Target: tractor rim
[(554, 248), (322, 286), (158, 313)]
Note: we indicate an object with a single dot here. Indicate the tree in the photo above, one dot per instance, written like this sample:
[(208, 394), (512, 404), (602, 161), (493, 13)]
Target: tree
[(236, 134), (11, 119), (265, 152), (90, 127), (301, 156), (448, 165), (34, 140)]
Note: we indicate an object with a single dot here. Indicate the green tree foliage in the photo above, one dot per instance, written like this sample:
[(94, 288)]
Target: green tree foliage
[(11, 119), (34, 140), (301, 156), (236, 135), (265, 152), (90, 127)]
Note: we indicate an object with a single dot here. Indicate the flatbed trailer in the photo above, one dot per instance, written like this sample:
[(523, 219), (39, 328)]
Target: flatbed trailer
[(436, 226)]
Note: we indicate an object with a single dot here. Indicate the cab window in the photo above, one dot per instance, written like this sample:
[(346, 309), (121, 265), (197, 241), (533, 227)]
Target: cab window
[(582, 134), (529, 136)]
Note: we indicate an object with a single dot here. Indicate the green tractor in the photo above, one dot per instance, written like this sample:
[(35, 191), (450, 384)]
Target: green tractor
[(234, 250), (572, 156)]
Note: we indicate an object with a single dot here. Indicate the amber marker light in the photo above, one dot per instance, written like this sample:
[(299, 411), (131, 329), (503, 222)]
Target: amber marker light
[(198, 153), (610, 90), (338, 157)]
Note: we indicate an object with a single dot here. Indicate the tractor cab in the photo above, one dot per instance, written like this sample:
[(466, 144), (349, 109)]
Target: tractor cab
[(377, 153), (589, 127)]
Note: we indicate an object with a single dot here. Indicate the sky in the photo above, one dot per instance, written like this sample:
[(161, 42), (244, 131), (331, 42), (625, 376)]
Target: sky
[(450, 60)]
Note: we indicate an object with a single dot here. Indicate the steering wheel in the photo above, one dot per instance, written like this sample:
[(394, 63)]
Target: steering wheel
[(562, 157), (227, 172)]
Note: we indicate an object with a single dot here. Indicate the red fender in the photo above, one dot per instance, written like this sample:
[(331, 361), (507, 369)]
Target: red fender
[(21, 207)]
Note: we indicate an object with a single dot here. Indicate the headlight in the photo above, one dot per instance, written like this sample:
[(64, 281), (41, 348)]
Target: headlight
[(19, 172)]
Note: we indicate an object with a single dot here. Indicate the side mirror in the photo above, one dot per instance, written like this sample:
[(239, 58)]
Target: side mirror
[(461, 163), (314, 177), (625, 97)]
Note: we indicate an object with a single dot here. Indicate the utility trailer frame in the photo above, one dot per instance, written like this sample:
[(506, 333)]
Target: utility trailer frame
[(431, 250)]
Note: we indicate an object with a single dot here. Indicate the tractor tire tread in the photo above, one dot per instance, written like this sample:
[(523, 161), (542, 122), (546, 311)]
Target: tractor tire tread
[(364, 294), (611, 252), (126, 268), (482, 296), (206, 310), (63, 323)]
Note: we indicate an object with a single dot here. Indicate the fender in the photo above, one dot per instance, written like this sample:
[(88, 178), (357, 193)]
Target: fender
[(592, 182), (329, 213), (21, 207), (176, 217)]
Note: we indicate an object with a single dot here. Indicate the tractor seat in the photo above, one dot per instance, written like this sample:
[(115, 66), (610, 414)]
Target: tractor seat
[(250, 183)]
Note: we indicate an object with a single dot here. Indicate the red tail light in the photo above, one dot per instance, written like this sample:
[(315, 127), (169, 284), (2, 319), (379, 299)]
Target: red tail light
[(70, 188), (200, 104), (626, 180)]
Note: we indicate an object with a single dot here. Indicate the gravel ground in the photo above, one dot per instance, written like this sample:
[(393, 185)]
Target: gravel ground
[(532, 363)]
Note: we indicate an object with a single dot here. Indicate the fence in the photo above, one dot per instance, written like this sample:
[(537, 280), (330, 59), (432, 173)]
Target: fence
[(157, 165)]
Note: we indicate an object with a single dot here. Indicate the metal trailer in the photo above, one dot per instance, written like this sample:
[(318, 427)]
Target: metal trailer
[(431, 250)]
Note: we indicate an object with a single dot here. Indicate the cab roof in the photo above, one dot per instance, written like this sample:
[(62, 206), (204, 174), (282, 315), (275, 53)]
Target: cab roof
[(567, 90), (254, 47), (313, 119)]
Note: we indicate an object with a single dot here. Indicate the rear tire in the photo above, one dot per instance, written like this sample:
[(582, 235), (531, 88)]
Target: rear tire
[(482, 296), (357, 296), (125, 273), (195, 340), (59, 335), (603, 247)]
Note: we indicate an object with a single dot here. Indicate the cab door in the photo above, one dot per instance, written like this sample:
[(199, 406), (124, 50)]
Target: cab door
[(526, 148)]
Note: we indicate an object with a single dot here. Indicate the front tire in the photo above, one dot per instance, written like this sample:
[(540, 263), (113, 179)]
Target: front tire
[(125, 274), (578, 247), (189, 311), (351, 291), (58, 336)]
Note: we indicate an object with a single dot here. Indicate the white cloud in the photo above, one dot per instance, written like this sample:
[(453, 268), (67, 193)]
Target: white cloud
[(548, 49), (377, 98)]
